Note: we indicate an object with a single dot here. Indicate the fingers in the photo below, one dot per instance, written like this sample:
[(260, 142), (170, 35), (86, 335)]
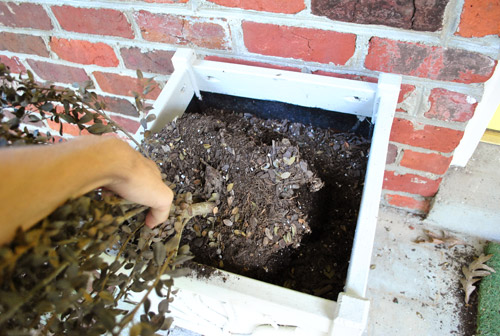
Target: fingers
[(141, 183), (158, 215)]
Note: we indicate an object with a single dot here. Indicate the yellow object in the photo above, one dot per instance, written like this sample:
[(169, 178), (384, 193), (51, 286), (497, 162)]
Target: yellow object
[(495, 121), (492, 134)]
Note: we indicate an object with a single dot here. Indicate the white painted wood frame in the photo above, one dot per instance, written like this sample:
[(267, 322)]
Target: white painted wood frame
[(377, 101)]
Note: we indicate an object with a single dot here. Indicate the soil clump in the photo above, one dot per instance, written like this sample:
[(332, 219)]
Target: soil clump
[(287, 195)]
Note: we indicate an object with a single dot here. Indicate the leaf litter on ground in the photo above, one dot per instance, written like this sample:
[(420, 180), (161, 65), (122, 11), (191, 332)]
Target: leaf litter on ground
[(473, 273), (443, 238)]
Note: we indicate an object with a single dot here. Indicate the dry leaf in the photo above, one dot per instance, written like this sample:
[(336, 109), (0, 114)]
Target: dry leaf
[(285, 175), (289, 161), (476, 270), (444, 238)]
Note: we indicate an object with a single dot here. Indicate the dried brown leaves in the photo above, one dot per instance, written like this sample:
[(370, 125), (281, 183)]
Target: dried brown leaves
[(438, 239), (473, 273), (57, 278)]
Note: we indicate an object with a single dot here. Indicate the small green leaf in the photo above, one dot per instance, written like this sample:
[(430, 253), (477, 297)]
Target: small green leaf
[(68, 118), (163, 306), (158, 289), (139, 74), (160, 253), (34, 118), (86, 118), (30, 75), (100, 129), (167, 323), (147, 305), (106, 296), (47, 107)]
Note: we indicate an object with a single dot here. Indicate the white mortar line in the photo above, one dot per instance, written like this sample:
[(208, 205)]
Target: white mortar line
[(308, 7), (195, 5), (451, 16), (457, 126), (237, 41), (424, 104), (52, 17), (404, 147), (362, 44), (401, 170)]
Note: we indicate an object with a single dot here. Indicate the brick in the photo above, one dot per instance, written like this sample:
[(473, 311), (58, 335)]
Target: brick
[(251, 63), (406, 90), (411, 183), (392, 154), (422, 15), (125, 85), (428, 162), (90, 21), (404, 94), (414, 59), (129, 125), (58, 73), (450, 106), (119, 105), (428, 15), (166, 1), (300, 43), (274, 6), (13, 63), (84, 52), (480, 18), (181, 30), (24, 15), (67, 129), (408, 202), (156, 61), (431, 137), (24, 44)]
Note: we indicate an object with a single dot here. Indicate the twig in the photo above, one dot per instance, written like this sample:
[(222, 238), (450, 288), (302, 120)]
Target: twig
[(126, 319), (8, 314)]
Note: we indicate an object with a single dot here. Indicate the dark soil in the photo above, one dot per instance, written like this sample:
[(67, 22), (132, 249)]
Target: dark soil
[(467, 312), (287, 195)]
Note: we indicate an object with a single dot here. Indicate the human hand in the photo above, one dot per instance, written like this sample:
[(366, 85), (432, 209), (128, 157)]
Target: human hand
[(139, 180)]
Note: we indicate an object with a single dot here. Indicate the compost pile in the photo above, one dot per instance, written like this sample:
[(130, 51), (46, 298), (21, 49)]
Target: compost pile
[(287, 195)]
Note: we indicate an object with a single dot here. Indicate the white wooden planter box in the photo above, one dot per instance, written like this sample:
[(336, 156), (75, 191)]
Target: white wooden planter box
[(229, 304)]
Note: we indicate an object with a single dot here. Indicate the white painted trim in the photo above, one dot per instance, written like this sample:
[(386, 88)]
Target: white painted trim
[(359, 267), (479, 122), (173, 100), (332, 94)]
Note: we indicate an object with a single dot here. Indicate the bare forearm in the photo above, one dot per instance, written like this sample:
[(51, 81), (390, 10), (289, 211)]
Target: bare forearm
[(39, 179), (36, 180)]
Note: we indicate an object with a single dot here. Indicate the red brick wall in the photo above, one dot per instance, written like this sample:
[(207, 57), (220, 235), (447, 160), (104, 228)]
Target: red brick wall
[(444, 50)]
